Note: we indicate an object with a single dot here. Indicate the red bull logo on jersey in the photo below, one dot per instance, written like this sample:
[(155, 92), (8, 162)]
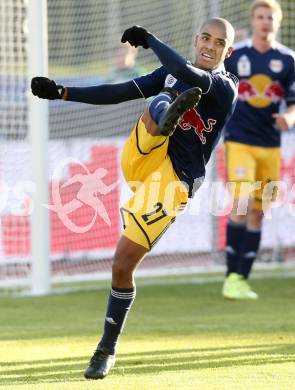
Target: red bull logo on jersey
[(192, 120), (260, 91)]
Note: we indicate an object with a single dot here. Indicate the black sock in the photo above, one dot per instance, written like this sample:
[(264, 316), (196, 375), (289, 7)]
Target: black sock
[(249, 251), (120, 302), (235, 234)]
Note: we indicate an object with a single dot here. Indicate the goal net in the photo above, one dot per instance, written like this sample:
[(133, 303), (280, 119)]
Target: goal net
[(85, 184)]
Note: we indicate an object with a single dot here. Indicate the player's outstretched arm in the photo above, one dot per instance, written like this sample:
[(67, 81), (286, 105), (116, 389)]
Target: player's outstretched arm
[(178, 66), (45, 88)]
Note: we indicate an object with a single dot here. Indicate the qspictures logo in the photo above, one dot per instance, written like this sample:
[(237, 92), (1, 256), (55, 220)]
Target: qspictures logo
[(91, 185)]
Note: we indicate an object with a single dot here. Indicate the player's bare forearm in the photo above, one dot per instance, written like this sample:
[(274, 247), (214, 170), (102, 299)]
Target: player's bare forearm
[(285, 120), (291, 114)]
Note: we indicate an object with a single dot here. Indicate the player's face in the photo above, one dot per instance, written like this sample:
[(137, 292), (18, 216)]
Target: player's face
[(265, 23), (212, 47)]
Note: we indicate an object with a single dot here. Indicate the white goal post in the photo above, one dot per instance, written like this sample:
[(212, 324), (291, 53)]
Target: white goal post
[(38, 138)]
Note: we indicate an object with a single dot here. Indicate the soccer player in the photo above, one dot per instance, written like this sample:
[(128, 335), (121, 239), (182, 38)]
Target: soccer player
[(266, 72), (164, 158)]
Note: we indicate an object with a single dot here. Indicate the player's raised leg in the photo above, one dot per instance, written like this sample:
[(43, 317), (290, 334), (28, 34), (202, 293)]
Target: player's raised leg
[(167, 108), (145, 149), (184, 102)]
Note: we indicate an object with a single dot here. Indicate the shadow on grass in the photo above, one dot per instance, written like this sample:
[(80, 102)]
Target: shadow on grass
[(71, 369)]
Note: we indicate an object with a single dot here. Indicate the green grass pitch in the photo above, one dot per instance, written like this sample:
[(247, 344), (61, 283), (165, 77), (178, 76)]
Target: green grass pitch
[(180, 335)]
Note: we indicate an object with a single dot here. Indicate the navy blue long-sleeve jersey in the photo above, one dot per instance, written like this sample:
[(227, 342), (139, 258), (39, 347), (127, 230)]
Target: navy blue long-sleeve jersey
[(199, 130), (266, 79)]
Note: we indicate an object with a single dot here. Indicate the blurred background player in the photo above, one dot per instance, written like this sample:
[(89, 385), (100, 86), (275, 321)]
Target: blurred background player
[(166, 158), (125, 67), (266, 72)]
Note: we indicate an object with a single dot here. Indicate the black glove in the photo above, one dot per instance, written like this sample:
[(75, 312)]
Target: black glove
[(136, 36), (45, 88)]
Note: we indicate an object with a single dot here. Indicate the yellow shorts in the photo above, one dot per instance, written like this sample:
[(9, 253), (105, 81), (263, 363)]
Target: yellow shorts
[(250, 167), (159, 195)]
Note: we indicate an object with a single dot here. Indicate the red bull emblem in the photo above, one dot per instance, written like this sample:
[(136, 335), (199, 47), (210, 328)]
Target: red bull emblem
[(260, 91), (192, 120)]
